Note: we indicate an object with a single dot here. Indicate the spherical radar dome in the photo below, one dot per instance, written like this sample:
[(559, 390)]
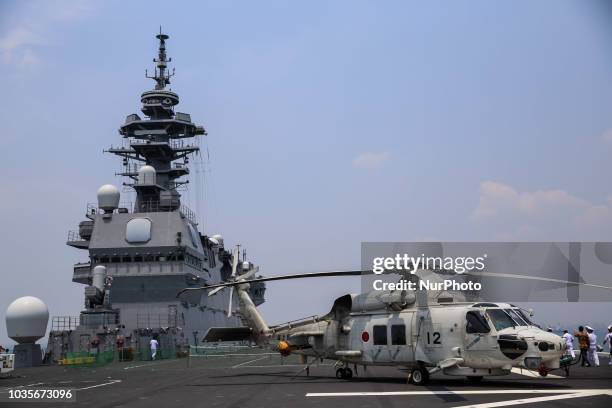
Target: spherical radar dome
[(108, 197), (26, 319)]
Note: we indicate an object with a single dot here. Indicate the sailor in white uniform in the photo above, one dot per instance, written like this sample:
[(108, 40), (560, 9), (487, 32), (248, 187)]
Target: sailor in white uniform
[(608, 339), (592, 353), (569, 344)]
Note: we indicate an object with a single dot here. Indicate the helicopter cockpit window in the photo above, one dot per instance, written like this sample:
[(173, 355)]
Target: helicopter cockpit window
[(525, 317), (501, 319), (517, 317), (380, 335), (398, 334), (476, 323)]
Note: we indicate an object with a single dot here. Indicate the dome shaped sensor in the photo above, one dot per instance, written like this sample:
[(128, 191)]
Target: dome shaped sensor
[(146, 175), (218, 238), (108, 198), (26, 319)]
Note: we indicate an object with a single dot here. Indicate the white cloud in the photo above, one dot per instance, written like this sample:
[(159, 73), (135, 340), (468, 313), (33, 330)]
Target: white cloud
[(543, 213), (33, 26), (371, 159), (17, 38)]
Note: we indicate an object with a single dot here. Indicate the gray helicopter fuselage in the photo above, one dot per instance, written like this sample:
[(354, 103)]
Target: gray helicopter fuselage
[(439, 335)]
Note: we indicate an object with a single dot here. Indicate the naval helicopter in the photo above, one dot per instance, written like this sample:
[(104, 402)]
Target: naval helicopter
[(421, 332)]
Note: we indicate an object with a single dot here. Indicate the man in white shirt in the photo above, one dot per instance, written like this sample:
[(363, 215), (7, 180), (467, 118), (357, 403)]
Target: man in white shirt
[(569, 344), (154, 344), (592, 352), (608, 339)]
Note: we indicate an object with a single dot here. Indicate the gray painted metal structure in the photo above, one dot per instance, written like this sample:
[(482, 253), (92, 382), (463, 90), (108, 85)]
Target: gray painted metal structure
[(151, 250)]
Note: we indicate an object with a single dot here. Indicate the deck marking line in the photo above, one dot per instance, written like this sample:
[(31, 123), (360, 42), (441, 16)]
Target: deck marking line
[(148, 364), (250, 361), (99, 385), (536, 399), (457, 392)]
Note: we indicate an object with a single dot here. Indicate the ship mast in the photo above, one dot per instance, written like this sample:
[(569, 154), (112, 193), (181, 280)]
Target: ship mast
[(159, 146)]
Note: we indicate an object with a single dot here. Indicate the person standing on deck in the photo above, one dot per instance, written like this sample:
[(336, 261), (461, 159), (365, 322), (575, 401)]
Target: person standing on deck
[(154, 345), (569, 344), (583, 339), (592, 354)]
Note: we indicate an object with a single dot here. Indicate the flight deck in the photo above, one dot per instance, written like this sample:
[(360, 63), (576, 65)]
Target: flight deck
[(262, 381)]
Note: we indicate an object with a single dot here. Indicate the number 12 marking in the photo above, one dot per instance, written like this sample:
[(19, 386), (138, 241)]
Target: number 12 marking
[(436, 338)]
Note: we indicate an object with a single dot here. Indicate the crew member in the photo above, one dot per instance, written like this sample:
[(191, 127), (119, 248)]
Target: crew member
[(569, 344), (154, 345), (593, 357), (608, 339), (583, 340)]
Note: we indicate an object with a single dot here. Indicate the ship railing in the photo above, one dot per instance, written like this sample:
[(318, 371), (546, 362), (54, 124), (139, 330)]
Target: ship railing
[(63, 323), (180, 144), (146, 206), (124, 206), (73, 235), (189, 214)]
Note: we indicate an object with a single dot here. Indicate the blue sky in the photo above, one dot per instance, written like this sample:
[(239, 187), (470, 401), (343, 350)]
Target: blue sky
[(330, 123)]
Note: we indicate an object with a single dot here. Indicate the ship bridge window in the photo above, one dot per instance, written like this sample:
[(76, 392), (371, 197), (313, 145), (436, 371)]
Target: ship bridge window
[(138, 230)]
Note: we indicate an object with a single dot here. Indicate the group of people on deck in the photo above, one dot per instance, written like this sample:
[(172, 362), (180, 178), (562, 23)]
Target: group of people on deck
[(587, 339)]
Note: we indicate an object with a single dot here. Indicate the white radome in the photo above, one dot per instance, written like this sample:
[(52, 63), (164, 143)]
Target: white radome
[(27, 319), (146, 175), (218, 238), (108, 197)]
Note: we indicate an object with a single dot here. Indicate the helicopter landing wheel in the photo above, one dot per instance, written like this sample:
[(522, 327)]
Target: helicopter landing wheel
[(419, 376), (474, 378), (348, 373), (344, 373), (340, 373)]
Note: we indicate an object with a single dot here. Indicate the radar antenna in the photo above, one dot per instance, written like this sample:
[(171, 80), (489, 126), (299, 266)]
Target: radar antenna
[(161, 77)]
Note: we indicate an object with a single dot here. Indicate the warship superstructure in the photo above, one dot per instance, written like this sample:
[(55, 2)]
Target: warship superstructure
[(142, 254)]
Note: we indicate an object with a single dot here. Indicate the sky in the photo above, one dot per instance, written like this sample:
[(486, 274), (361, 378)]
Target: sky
[(329, 124)]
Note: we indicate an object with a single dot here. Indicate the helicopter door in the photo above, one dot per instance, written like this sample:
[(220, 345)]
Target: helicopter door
[(390, 340), (478, 336), (400, 333), (376, 341)]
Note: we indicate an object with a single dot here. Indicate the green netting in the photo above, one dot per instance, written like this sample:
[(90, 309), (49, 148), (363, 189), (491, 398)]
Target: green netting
[(89, 359)]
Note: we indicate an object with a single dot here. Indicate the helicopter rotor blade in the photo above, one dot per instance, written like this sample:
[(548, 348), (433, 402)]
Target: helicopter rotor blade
[(235, 262), (536, 278), (215, 291), (281, 277), (229, 308), (367, 272), (250, 273)]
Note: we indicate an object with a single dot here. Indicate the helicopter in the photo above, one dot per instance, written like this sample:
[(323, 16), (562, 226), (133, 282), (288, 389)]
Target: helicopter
[(418, 331)]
